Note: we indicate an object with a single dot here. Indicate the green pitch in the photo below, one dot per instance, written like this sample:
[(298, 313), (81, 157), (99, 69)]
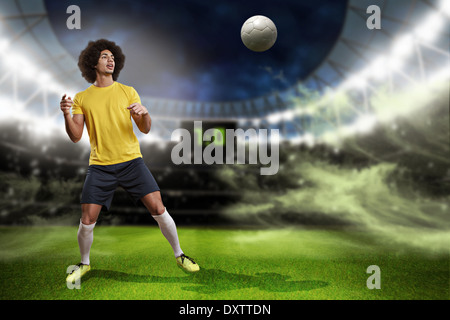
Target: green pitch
[(137, 263)]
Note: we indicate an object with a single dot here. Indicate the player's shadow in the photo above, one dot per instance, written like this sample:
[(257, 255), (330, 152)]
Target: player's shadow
[(209, 281)]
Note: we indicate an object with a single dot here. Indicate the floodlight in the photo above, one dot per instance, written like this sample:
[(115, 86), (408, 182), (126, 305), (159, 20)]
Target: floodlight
[(428, 30), (274, 118), (256, 122), (4, 45), (378, 68), (445, 7), (357, 81), (394, 63), (44, 78), (288, 115), (403, 46), (365, 123)]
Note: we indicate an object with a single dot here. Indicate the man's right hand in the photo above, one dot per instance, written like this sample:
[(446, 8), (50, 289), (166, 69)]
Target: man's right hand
[(74, 125), (66, 104)]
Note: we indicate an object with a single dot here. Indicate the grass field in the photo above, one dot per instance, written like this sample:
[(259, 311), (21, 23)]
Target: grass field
[(287, 264)]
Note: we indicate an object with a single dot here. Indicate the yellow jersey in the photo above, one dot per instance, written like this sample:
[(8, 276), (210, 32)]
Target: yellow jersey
[(108, 122)]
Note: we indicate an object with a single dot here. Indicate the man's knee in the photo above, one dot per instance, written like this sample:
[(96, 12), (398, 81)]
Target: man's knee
[(156, 208), (88, 220), (153, 203), (89, 214)]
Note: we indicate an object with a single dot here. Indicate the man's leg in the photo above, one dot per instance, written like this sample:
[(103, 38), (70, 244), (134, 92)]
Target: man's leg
[(155, 206), (85, 235), (168, 228)]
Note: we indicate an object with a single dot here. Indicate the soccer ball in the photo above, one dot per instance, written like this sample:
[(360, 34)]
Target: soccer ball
[(258, 33)]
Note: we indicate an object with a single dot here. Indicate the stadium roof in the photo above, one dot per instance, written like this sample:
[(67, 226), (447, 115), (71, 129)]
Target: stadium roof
[(413, 41)]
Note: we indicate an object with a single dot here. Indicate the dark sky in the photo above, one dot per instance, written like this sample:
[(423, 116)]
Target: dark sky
[(192, 50)]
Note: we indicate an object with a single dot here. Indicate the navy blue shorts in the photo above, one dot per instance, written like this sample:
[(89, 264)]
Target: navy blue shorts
[(102, 181)]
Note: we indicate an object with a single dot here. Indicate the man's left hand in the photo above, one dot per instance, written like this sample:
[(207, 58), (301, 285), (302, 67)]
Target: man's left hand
[(137, 109)]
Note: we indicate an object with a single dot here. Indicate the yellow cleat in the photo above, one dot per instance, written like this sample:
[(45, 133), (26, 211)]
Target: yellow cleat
[(79, 271), (187, 264)]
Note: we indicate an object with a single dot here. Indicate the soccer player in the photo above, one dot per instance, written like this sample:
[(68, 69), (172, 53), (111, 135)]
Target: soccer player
[(106, 107)]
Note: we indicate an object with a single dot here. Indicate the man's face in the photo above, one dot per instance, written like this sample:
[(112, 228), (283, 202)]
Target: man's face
[(105, 63)]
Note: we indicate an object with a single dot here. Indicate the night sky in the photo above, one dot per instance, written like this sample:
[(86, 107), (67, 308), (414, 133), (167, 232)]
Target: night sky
[(192, 50)]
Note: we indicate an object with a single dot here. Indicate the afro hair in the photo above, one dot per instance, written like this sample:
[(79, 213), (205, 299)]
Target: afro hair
[(89, 58)]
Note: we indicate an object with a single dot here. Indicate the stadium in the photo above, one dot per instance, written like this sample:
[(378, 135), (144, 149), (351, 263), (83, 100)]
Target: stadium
[(363, 175)]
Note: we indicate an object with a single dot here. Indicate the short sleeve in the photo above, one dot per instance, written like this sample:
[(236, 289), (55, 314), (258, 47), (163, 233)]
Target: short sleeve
[(134, 96), (76, 107)]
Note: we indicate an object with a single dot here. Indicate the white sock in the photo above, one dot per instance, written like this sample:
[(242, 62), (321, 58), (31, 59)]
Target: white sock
[(169, 230), (85, 237)]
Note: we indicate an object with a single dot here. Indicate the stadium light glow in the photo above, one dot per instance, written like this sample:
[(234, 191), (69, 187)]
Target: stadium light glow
[(390, 63), (4, 44), (403, 46), (44, 79), (377, 70), (429, 30), (274, 118), (401, 49), (445, 7), (365, 124), (288, 115), (25, 70), (357, 81), (443, 74), (43, 127), (151, 138), (394, 63), (28, 73), (256, 122)]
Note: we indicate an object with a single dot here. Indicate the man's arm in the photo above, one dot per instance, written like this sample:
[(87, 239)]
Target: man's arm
[(74, 124), (141, 117)]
